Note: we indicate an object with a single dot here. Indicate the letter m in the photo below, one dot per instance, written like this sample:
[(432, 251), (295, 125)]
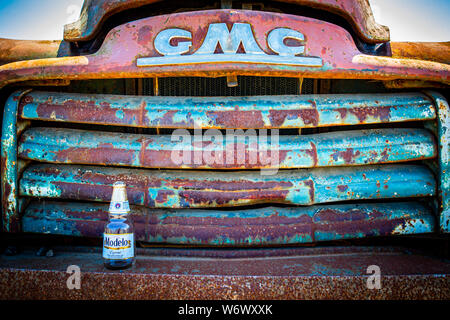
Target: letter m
[(229, 40)]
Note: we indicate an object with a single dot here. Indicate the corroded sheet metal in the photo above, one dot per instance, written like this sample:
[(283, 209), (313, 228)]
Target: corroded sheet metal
[(228, 112), (18, 50), (430, 51), (95, 12), (125, 44), (9, 163), (263, 226), (162, 151), (186, 274), (179, 189), (443, 110)]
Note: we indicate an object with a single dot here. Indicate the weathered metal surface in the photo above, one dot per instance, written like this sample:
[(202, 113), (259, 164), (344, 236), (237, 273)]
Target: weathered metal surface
[(117, 57), (180, 189), (9, 163), (430, 51), (19, 50), (263, 226), (186, 274), (408, 84), (358, 13), (43, 83), (228, 112), (443, 122), (163, 151)]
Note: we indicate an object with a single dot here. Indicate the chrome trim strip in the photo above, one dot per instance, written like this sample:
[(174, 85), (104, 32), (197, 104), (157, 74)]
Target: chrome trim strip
[(230, 58)]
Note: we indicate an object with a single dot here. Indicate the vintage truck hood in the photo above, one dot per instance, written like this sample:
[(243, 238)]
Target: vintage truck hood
[(357, 12)]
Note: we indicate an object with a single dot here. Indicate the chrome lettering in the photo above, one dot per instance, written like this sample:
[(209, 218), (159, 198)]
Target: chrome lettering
[(163, 46), (229, 40), (276, 38)]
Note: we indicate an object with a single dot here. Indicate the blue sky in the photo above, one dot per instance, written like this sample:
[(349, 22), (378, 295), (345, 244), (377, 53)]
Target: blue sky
[(408, 20)]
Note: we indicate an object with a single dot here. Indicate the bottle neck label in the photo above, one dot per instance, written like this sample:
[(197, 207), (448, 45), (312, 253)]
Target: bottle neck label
[(119, 207)]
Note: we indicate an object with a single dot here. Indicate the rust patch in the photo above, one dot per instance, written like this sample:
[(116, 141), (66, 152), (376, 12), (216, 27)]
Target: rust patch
[(167, 119), (76, 111), (101, 155), (142, 112), (222, 198), (342, 112), (228, 185), (310, 184), (348, 155), (144, 35), (162, 195), (308, 116), (6, 192), (238, 119), (313, 153), (24, 101), (382, 113), (333, 215)]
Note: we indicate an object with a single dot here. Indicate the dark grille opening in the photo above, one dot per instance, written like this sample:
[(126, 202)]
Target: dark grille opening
[(247, 86)]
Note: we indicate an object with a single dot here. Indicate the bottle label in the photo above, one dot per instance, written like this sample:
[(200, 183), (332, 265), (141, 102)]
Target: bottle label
[(119, 207), (118, 246)]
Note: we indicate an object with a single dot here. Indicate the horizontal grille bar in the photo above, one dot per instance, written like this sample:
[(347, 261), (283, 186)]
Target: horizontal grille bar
[(326, 149), (178, 189), (227, 112), (265, 226)]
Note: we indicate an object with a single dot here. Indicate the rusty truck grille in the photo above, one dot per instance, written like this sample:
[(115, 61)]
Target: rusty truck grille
[(365, 177)]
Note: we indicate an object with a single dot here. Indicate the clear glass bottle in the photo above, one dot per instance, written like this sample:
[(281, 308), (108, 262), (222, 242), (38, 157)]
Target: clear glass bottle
[(118, 238)]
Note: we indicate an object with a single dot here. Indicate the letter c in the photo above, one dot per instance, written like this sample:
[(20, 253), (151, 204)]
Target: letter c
[(276, 38), (163, 46)]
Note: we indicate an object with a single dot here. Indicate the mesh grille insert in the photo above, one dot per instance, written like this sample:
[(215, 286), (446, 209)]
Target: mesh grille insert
[(247, 86)]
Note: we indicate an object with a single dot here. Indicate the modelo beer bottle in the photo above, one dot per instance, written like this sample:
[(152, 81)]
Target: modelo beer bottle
[(118, 238)]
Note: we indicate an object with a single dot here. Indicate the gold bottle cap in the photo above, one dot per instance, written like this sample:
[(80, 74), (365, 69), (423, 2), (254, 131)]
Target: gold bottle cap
[(119, 200)]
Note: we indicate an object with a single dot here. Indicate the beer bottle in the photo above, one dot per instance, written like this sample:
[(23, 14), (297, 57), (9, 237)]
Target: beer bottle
[(118, 238)]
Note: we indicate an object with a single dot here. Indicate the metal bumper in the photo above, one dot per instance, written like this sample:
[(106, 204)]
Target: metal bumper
[(186, 274)]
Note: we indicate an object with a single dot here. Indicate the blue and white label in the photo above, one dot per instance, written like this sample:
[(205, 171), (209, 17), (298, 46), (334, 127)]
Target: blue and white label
[(118, 246)]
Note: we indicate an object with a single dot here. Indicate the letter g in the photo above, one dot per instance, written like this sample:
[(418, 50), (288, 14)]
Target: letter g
[(163, 46)]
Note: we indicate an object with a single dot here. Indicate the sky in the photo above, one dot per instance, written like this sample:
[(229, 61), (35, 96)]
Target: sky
[(408, 20)]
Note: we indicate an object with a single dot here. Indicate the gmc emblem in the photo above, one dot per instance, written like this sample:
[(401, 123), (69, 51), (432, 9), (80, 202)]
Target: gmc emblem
[(218, 33)]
